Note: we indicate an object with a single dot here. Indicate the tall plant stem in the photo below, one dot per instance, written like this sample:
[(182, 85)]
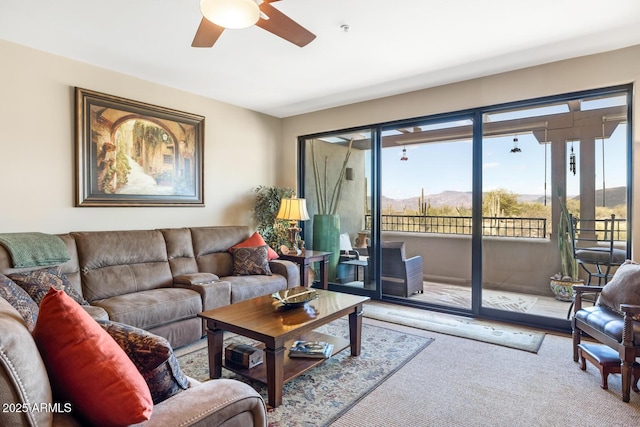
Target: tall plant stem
[(335, 197), (316, 179), (326, 206)]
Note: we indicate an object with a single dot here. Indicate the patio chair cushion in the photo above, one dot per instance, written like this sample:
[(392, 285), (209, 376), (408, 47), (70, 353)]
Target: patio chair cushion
[(598, 255), (624, 288)]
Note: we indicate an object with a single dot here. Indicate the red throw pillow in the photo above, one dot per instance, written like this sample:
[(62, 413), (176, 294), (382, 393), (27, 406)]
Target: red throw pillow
[(254, 241), (87, 367)]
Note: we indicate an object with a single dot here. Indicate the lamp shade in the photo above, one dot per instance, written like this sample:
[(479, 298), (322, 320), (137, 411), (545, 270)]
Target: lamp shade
[(293, 210), (232, 14)]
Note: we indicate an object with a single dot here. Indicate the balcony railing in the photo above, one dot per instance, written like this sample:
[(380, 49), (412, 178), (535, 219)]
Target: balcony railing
[(491, 226)]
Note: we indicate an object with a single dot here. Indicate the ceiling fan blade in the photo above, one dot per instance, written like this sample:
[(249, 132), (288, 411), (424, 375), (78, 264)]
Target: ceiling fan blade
[(283, 26), (207, 34)]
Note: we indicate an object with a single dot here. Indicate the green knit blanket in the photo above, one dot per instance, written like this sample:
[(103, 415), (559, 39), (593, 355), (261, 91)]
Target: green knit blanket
[(34, 249)]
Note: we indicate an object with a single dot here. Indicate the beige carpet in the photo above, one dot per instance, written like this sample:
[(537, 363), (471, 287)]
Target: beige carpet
[(320, 395), (458, 382), (520, 338)]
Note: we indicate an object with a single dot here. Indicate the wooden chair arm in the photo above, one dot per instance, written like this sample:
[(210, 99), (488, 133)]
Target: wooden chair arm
[(627, 330), (585, 288), (629, 309)]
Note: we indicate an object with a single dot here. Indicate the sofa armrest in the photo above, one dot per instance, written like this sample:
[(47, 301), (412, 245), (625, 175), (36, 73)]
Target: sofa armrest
[(212, 403), (288, 269), (214, 293)]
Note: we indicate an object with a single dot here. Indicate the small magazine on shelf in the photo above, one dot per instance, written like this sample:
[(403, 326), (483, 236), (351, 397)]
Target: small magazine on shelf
[(314, 349)]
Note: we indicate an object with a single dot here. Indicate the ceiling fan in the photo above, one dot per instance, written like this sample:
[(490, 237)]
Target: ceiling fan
[(218, 15)]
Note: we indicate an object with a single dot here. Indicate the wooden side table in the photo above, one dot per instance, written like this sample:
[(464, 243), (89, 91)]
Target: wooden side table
[(307, 257)]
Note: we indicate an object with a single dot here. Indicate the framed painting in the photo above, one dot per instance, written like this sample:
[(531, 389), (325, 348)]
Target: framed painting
[(129, 153)]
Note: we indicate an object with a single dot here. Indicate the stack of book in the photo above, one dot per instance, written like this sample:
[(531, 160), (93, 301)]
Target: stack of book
[(243, 355), (313, 349)]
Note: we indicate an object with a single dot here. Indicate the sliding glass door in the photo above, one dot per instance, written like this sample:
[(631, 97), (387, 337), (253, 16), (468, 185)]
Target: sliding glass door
[(459, 212), (426, 211), (339, 186), (566, 152)]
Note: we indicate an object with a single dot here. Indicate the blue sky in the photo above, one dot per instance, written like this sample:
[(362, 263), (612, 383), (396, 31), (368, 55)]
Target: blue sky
[(438, 167)]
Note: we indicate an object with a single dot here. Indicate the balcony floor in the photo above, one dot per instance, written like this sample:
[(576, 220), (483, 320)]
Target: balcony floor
[(452, 295)]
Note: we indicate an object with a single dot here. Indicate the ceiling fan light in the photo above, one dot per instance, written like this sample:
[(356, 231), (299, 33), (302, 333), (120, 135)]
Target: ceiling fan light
[(231, 14)]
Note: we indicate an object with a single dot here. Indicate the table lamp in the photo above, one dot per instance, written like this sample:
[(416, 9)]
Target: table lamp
[(293, 210)]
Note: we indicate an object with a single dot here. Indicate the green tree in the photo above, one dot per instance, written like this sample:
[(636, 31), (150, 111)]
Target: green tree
[(501, 202)]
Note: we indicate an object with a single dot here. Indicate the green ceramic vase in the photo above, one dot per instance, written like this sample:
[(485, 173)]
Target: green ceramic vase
[(326, 238)]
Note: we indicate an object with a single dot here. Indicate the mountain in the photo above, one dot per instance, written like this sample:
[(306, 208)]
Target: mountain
[(613, 197), (446, 198)]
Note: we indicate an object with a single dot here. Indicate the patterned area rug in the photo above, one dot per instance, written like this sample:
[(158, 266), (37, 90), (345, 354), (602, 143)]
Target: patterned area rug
[(322, 394), (460, 296), (519, 338)]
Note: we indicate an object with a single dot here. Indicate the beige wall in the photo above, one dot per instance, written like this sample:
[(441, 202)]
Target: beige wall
[(590, 72), (243, 148), (37, 149)]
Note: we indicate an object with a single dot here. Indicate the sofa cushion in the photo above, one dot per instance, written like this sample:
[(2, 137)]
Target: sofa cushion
[(156, 307), (20, 300), (153, 356), (120, 262), (211, 247), (87, 367), (38, 282), (253, 241), (21, 364), (624, 288), (251, 260)]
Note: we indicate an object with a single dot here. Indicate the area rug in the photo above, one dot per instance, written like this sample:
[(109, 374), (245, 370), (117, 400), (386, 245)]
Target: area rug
[(459, 326), (460, 296), (325, 392)]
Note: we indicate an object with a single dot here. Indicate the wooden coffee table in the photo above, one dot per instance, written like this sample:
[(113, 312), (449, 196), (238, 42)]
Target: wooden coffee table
[(266, 320)]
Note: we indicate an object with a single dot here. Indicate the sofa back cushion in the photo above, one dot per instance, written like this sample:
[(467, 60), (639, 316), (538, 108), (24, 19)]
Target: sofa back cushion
[(23, 376), (211, 245), (115, 263), (180, 251)]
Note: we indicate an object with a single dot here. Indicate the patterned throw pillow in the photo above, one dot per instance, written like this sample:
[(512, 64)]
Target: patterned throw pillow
[(153, 356), (20, 300), (38, 282), (253, 260), (253, 241)]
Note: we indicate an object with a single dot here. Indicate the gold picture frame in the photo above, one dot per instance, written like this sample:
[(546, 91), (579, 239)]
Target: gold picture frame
[(130, 153)]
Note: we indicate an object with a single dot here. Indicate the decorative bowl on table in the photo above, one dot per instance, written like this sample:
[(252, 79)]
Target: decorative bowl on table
[(295, 297)]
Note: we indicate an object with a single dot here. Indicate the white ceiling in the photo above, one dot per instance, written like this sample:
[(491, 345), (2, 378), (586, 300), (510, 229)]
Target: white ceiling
[(393, 46)]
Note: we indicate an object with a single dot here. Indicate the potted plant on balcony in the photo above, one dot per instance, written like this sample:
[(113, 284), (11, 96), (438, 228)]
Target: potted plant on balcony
[(326, 223), (562, 283)]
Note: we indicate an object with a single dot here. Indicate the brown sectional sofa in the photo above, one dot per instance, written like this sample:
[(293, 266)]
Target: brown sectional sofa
[(158, 280), (27, 398)]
